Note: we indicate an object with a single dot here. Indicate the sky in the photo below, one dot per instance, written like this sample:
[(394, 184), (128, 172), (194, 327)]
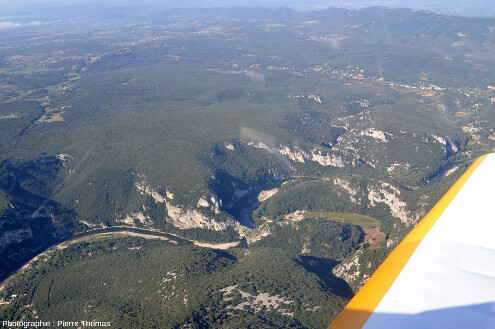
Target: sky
[(459, 7)]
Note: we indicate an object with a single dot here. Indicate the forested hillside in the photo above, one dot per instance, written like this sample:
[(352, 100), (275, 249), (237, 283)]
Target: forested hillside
[(318, 139)]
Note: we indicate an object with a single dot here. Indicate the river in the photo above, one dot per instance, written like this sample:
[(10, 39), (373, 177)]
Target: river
[(137, 231), (440, 176)]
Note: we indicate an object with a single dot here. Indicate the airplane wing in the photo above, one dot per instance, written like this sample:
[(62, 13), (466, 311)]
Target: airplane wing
[(442, 275)]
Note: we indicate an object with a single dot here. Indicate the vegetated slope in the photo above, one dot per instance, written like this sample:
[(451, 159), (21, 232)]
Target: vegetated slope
[(220, 124), (134, 283)]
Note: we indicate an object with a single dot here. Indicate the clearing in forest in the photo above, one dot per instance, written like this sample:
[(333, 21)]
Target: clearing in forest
[(360, 220)]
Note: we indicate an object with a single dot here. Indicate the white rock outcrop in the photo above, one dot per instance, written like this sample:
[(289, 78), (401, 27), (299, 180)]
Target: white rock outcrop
[(134, 217), (217, 203), (255, 303), (180, 217), (316, 98), (296, 155), (295, 216), (388, 195), (349, 270), (375, 133), (439, 139), (266, 194), (88, 224), (346, 185), (327, 159), (64, 157), (450, 145), (255, 234), (146, 189), (186, 219), (203, 202)]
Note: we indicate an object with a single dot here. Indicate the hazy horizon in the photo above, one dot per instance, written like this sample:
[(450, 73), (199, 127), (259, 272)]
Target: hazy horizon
[(463, 8)]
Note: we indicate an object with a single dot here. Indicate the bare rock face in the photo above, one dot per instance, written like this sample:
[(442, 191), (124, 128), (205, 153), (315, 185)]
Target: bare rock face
[(389, 195), (135, 217), (64, 157), (266, 194), (186, 219), (298, 155), (146, 189), (351, 271), (203, 202), (177, 215), (256, 303), (217, 203), (344, 184), (229, 146), (333, 160), (449, 144), (375, 133), (253, 235), (316, 98), (296, 216), (169, 195)]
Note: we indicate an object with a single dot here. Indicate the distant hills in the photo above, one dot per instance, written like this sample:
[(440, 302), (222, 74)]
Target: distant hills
[(130, 7)]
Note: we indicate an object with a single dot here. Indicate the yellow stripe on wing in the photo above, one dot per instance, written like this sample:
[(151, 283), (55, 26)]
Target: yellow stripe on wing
[(360, 308)]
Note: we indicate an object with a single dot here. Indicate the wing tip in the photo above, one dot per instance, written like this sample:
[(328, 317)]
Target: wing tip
[(361, 307)]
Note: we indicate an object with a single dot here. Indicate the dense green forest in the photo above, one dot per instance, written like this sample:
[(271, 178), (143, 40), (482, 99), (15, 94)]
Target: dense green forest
[(227, 125), (133, 283)]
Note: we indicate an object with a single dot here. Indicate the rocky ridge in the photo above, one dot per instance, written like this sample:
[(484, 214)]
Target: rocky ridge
[(184, 218)]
